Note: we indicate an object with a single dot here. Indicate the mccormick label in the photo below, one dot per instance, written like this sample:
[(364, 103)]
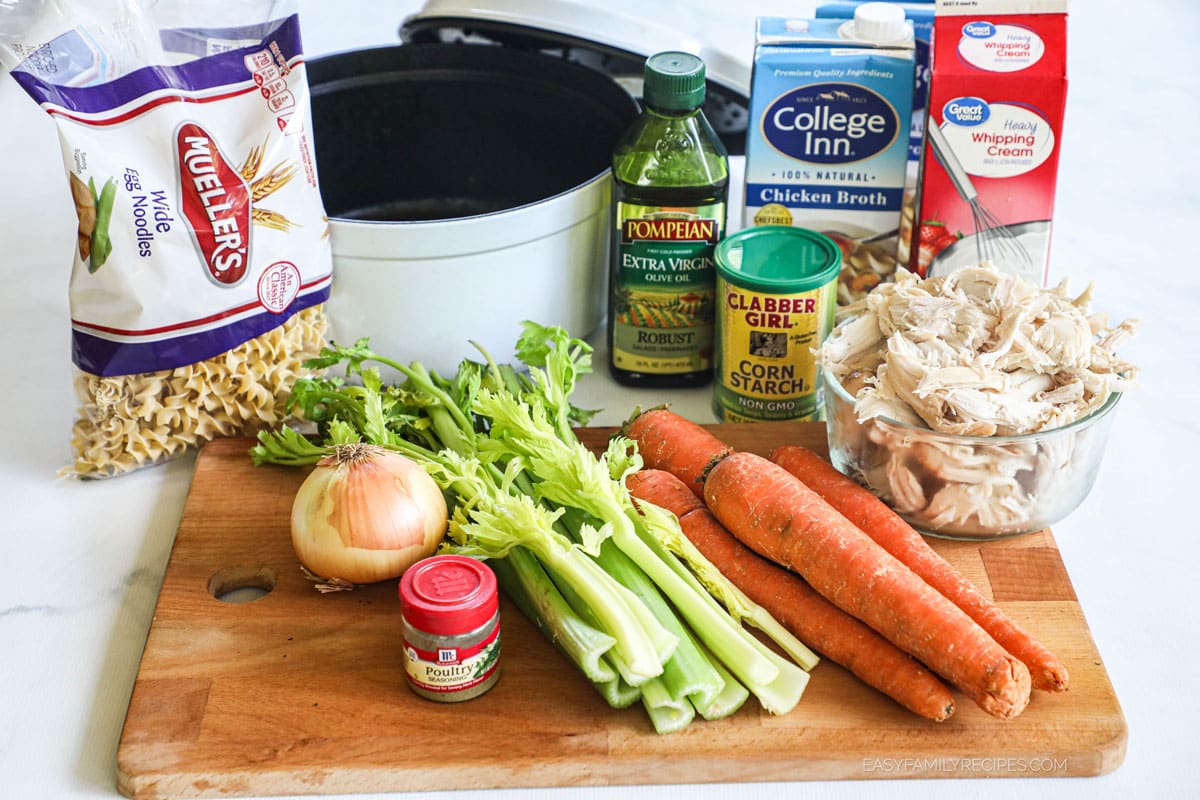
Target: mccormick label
[(996, 98), (664, 311), (453, 669), (829, 140)]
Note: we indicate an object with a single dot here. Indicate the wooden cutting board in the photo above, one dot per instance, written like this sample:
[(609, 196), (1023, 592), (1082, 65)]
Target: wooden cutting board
[(303, 693)]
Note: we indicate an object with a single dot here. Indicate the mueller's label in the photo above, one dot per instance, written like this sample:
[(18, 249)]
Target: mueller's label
[(765, 367), (216, 202), (664, 309), (828, 144)]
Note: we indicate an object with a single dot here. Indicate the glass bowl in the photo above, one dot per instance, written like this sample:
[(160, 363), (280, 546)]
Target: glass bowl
[(968, 487)]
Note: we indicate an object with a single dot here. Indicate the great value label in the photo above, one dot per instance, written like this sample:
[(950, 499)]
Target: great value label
[(997, 96)]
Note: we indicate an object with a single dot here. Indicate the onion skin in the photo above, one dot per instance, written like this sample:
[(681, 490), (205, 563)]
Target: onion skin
[(365, 514)]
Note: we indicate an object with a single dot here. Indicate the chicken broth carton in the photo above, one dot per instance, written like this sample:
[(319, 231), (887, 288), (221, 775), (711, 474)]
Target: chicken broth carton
[(920, 14), (830, 109), (990, 163)]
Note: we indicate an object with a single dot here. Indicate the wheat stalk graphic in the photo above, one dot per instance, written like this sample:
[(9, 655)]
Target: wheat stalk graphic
[(264, 185)]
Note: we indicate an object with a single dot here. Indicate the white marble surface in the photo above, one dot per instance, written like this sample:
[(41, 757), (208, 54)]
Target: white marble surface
[(83, 561)]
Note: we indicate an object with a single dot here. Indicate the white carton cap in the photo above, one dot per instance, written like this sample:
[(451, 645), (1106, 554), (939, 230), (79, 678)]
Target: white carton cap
[(880, 22)]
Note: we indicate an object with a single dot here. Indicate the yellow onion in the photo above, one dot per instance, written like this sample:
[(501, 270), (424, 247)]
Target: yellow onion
[(365, 514)]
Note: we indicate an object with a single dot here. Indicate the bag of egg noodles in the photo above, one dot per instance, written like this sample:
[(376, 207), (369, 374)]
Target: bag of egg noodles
[(201, 254)]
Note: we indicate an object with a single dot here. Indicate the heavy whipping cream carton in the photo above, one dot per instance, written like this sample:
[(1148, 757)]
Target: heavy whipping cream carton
[(990, 164), (827, 147)]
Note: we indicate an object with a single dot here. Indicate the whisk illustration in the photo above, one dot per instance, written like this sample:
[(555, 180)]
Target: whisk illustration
[(993, 241)]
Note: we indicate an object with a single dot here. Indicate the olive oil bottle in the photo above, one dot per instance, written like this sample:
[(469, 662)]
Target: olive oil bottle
[(671, 175)]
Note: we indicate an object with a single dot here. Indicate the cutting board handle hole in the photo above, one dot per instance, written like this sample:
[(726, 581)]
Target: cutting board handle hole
[(241, 584)]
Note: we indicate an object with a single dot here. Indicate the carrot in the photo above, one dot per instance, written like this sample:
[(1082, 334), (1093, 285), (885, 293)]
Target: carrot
[(896, 536), (814, 620), (776, 515), (673, 443)]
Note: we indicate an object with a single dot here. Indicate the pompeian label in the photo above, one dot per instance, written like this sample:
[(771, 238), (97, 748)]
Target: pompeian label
[(215, 201), (664, 303), (669, 229), (765, 368)]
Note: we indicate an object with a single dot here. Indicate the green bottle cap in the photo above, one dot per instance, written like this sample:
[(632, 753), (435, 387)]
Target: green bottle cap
[(674, 81)]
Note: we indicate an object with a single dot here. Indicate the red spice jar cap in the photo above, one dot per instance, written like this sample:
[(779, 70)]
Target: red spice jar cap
[(448, 595)]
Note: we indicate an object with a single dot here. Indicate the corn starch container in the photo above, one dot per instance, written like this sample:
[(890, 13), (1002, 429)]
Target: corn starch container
[(777, 295)]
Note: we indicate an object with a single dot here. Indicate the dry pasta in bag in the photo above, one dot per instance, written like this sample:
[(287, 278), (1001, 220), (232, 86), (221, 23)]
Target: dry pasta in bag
[(201, 258)]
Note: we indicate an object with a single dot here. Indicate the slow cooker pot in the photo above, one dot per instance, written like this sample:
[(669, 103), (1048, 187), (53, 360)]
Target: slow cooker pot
[(467, 189)]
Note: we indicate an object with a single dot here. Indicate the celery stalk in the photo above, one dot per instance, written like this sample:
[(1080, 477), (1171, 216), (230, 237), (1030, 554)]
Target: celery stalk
[(569, 475), (498, 521), (778, 695), (531, 590), (614, 658), (616, 692), (712, 626), (688, 673), (731, 697), (663, 527), (667, 714), (664, 640)]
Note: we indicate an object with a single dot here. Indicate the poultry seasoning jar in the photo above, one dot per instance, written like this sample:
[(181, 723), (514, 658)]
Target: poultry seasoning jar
[(450, 612), (776, 300)]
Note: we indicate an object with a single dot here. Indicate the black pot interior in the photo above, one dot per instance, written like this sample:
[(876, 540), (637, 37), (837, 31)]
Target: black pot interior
[(727, 108), (437, 131)]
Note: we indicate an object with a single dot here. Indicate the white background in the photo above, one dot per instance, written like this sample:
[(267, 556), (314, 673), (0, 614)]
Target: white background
[(83, 561)]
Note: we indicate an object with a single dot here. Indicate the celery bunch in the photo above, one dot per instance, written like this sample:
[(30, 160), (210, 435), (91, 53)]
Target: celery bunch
[(619, 590)]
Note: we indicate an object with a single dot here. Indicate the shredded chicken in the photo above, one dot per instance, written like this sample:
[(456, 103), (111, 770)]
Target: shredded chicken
[(982, 353)]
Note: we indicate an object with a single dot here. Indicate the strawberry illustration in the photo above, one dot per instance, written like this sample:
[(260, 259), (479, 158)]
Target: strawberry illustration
[(932, 238)]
